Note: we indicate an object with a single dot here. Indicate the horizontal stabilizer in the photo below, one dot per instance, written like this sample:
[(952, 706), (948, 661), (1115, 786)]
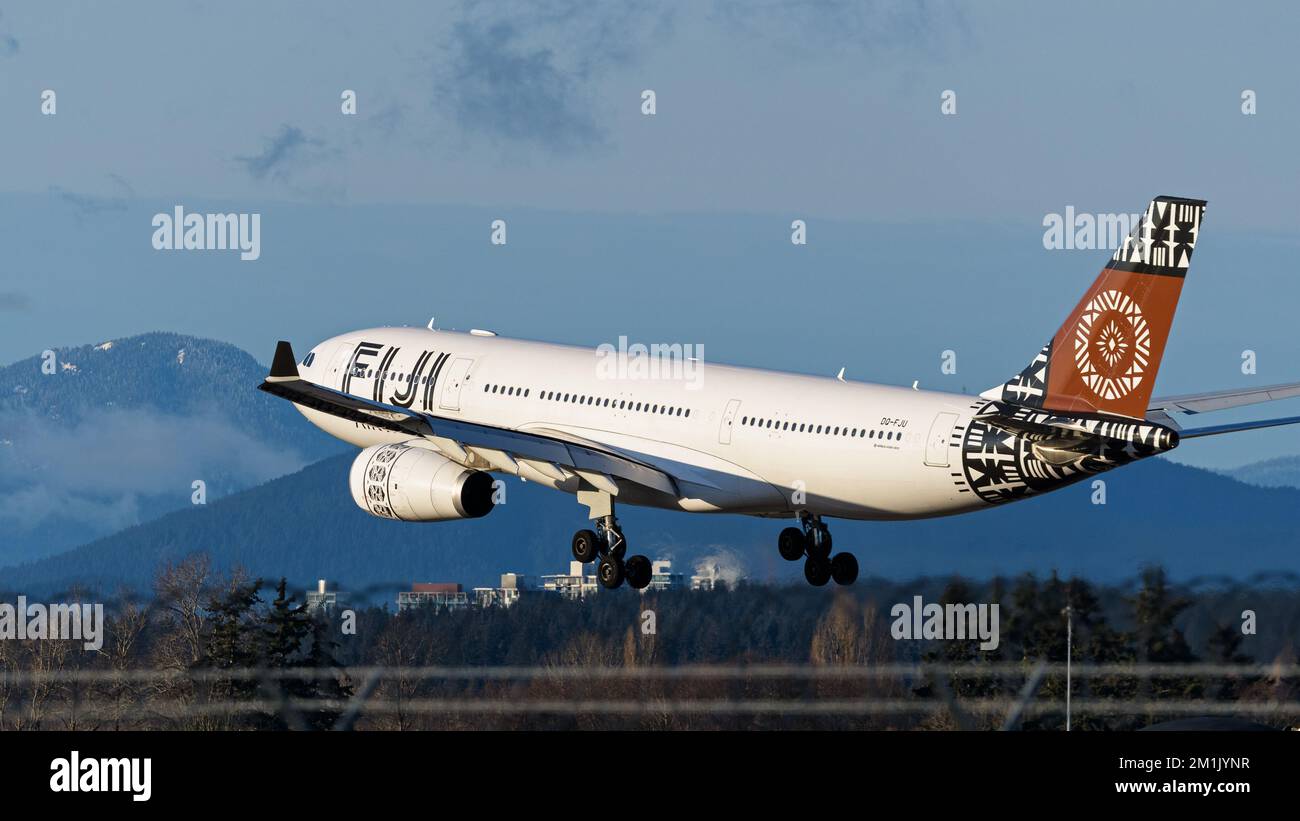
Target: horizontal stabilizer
[(1223, 400), (1213, 430)]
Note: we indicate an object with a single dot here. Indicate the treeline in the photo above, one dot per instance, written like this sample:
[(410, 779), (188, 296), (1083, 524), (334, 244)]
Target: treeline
[(200, 626)]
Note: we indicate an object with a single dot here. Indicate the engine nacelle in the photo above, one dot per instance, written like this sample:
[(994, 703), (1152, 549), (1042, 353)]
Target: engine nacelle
[(414, 483)]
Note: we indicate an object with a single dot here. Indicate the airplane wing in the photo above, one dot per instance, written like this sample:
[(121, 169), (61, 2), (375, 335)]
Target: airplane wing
[(1194, 403), (510, 451)]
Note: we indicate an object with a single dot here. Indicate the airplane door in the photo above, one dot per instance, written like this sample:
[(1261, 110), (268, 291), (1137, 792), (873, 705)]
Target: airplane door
[(936, 447), (455, 379), (728, 419), (340, 363)]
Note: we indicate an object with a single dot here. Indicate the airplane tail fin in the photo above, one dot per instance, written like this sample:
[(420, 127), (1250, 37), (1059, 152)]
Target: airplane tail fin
[(1104, 358)]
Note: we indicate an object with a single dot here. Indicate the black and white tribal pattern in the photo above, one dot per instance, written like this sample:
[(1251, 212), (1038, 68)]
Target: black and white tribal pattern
[(1029, 387), (376, 480), (1165, 237), (1001, 466)]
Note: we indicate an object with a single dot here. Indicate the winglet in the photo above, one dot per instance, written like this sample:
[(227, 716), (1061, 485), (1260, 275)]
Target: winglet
[(284, 365)]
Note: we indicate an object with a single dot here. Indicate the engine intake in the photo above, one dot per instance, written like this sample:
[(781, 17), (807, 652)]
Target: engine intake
[(413, 483)]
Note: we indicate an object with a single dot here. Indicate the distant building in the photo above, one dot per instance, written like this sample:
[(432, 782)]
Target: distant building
[(709, 577), (704, 581), (439, 595), (512, 584), (322, 599), (576, 584), (662, 576)]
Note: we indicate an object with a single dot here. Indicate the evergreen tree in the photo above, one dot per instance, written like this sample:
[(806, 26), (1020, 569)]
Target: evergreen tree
[(1155, 608), (1224, 643), (233, 643)]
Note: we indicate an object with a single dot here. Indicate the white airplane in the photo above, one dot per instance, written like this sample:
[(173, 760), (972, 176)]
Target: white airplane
[(436, 412)]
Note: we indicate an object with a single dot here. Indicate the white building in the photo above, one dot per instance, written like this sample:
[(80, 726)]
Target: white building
[(512, 584), (576, 584), (323, 599), (438, 595), (662, 576)]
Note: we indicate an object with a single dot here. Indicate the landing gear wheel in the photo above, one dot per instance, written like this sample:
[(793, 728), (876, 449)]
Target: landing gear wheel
[(638, 572), (817, 571), (610, 572), (817, 542), (844, 568), (586, 546), (790, 543)]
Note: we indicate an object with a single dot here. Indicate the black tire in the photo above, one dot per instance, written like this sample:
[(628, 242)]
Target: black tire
[(790, 543), (816, 551), (586, 546), (638, 571), (610, 572), (817, 571), (844, 568)]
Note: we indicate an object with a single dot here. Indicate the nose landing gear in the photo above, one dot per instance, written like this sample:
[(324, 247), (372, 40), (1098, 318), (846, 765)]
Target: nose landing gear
[(813, 540)]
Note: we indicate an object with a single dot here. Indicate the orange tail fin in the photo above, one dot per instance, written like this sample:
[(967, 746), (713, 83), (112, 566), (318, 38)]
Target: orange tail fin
[(1104, 358)]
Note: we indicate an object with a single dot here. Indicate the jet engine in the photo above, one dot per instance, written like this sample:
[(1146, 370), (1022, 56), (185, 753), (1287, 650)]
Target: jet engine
[(414, 483)]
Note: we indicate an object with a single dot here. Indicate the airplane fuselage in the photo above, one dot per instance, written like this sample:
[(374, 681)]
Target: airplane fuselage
[(737, 440)]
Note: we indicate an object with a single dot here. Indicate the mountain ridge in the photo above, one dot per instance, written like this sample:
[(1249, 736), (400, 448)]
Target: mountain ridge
[(305, 526)]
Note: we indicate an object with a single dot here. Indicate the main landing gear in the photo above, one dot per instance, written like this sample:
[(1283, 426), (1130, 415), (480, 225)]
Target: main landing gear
[(813, 540), (607, 545)]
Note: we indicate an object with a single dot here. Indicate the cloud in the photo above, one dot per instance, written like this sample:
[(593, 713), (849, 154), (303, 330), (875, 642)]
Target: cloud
[(87, 205), (91, 204), (387, 120), (8, 43), (506, 90), (14, 301), (876, 27), (283, 154), (99, 472), (526, 75)]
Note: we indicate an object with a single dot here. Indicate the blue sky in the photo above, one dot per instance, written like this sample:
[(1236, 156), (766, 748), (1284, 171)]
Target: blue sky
[(924, 230)]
